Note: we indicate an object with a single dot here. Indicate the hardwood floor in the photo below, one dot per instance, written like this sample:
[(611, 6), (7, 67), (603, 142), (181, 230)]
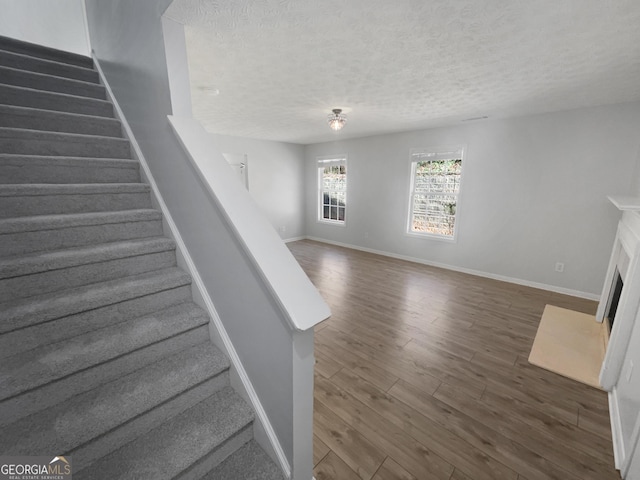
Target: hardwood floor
[(422, 373)]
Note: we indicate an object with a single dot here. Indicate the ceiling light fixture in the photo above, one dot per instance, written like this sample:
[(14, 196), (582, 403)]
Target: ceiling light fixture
[(337, 119)]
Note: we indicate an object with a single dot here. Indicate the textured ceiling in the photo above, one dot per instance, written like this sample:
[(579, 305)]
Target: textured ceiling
[(279, 66)]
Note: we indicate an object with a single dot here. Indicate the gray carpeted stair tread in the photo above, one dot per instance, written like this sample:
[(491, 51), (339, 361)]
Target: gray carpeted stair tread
[(35, 189), (40, 51), (30, 97), (51, 83), (31, 369), (118, 411), (50, 67), (20, 200), (29, 118), (27, 312), (59, 259), (47, 169), (25, 235), (37, 160), (63, 221), (47, 395), (46, 272), (153, 298), (172, 449), (23, 141), (249, 462)]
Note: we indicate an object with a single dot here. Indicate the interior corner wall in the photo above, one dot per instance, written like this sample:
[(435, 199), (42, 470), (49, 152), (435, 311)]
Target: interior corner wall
[(276, 180), (533, 193), (127, 39), (57, 24)]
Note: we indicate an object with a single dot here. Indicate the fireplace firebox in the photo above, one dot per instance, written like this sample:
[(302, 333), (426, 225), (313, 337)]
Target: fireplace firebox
[(614, 299)]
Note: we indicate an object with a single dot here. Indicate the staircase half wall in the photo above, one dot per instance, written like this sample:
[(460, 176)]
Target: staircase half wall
[(262, 305)]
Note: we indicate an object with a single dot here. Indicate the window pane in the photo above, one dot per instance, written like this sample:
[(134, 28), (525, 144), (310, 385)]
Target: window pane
[(333, 187), (434, 214), (436, 184)]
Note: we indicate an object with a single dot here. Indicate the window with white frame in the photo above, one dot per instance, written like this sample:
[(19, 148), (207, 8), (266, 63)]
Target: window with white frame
[(435, 187), (332, 189)]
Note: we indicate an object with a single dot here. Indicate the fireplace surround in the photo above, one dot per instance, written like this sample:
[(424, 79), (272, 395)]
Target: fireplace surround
[(620, 300)]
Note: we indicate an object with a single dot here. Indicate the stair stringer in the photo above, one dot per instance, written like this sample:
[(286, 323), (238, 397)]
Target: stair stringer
[(264, 432)]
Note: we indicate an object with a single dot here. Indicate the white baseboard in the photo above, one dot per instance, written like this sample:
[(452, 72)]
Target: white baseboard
[(616, 430), (200, 294), (293, 239), (478, 273)]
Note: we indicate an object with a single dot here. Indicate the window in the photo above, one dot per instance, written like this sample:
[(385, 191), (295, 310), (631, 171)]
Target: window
[(332, 189), (435, 186)]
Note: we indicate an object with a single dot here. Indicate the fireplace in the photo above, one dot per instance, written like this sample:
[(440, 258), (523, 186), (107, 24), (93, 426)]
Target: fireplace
[(620, 295), (614, 298), (619, 308)]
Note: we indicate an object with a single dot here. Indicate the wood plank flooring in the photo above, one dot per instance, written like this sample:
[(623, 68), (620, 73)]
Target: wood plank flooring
[(422, 373)]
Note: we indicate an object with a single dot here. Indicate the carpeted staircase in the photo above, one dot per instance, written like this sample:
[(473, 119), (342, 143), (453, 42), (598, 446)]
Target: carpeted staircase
[(103, 354)]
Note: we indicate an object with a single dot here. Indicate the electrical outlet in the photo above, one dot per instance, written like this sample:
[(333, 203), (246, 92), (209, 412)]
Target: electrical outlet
[(283, 229), (366, 234), (629, 370), (559, 267)]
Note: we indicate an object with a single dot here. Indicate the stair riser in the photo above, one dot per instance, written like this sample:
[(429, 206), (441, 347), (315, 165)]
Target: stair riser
[(26, 172), (52, 281), (21, 206), (69, 147), (49, 83), (37, 51), (64, 360), (126, 406), (29, 338), (31, 315), (204, 435), (45, 120), (146, 422), (77, 236), (46, 67), (214, 458), (38, 399), (53, 101)]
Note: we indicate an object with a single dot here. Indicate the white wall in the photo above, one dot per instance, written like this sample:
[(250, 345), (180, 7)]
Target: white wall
[(533, 193), (276, 180), (55, 23)]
